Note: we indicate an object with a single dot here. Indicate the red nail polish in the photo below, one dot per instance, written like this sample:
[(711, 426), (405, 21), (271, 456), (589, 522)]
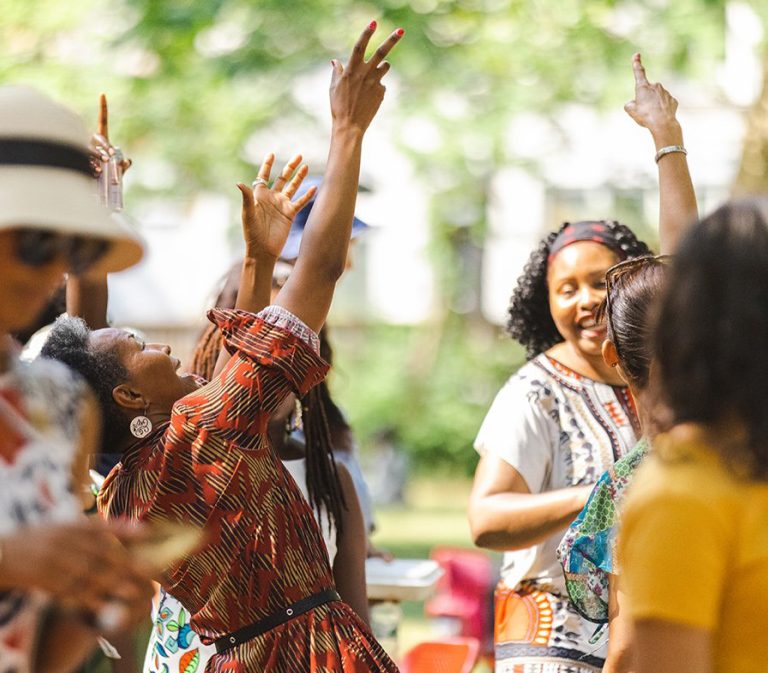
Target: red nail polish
[(372, 25), (400, 32)]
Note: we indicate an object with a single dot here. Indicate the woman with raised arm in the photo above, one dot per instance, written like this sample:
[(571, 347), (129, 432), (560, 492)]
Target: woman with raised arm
[(564, 417), (693, 546), (587, 551), (59, 573), (260, 590)]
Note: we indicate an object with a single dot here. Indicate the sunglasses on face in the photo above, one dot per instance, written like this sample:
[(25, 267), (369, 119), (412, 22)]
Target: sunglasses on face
[(38, 248), (623, 270)]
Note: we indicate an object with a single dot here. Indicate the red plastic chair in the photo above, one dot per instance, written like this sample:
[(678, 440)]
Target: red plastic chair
[(451, 655), (464, 593)]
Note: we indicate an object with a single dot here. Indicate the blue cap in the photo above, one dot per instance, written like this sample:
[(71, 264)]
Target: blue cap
[(291, 247)]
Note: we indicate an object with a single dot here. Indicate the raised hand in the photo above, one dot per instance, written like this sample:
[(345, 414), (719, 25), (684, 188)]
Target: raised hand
[(101, 149), (267, 212), (356, 89), (653, 107)]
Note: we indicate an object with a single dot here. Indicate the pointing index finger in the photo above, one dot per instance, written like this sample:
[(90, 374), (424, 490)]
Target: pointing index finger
[(103, 123), (639, 71)]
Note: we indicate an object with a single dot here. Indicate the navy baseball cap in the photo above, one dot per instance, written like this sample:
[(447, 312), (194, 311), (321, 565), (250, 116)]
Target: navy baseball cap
[(291, 247)]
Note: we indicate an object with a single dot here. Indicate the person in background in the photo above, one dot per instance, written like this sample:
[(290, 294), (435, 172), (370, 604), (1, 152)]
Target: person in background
[(61, 576), (587, 551), (565, 416)]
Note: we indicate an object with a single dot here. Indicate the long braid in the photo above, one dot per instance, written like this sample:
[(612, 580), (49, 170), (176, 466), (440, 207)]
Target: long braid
[(323, 482)]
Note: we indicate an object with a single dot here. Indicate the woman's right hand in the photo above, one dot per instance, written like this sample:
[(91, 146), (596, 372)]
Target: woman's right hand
[(82, 565), (356, 89)]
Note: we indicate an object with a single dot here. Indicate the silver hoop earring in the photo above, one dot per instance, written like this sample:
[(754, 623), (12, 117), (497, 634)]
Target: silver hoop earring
[(141, 426)]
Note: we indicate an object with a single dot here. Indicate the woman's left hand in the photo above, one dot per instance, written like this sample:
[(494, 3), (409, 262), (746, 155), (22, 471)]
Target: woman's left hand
[(653, 106), (268, 212)]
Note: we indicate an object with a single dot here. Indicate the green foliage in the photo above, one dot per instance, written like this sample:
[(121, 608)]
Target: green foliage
[(430, 385)]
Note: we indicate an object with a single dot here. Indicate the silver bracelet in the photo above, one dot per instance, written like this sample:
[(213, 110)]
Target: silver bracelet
[(669, 149)]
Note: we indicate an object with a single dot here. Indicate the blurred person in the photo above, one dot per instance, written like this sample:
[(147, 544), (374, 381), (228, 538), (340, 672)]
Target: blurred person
[(587, 551), (693, 546), (59, 573), (566, 415), (261, 589)]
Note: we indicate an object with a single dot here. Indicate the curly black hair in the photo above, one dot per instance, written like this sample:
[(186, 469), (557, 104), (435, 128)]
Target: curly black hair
[(711, 334), (69, 342), (530, 321)]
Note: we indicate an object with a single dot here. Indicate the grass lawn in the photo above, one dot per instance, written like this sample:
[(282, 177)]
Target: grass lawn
[(434, 514)]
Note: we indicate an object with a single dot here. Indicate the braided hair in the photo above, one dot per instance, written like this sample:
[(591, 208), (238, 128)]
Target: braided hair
[(530, 321)]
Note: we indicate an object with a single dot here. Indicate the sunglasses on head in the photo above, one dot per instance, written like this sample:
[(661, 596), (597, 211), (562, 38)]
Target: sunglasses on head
[(38, 247), (622, 270)]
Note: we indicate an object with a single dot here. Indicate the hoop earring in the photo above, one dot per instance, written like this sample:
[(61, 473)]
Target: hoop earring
[(141, 426)]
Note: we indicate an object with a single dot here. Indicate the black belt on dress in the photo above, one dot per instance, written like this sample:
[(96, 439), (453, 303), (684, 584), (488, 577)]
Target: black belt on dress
[(276, 619)]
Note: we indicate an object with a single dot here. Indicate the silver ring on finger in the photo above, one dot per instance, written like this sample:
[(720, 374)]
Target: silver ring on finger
[(259, 181)]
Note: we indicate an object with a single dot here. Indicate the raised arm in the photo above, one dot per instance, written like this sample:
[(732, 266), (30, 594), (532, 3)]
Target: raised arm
[(266, 215), (356, 94), (87, 297), (654, 108)]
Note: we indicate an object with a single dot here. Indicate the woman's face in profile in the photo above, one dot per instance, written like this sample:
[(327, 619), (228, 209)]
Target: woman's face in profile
[(24, 288)]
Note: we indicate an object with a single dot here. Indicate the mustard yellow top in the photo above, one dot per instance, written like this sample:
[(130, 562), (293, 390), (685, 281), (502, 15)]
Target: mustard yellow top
[(694, 550)]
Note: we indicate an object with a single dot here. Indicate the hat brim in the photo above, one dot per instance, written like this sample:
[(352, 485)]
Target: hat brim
[(66, 202)]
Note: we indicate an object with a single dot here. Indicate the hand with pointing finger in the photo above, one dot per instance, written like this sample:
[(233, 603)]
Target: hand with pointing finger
[(654, 108), (356, 89), (101, 149)]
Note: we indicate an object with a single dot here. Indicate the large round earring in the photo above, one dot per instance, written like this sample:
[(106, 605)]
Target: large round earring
[(141, 426)]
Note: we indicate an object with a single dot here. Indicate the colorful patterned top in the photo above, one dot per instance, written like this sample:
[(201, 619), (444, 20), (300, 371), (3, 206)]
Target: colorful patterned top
[(588, 549), (212, 466), (40, 407), (558, 429)]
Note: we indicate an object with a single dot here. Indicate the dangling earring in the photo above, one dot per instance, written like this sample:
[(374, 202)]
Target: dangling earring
[(141, 426)]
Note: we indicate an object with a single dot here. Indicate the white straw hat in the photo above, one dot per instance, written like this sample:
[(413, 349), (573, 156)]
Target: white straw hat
[(45, 177)]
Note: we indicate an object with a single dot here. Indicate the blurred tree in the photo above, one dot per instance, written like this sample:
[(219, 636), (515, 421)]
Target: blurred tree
[(191, 80)]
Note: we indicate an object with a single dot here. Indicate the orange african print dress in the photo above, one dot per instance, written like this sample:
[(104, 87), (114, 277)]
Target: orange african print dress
[(212, 466)]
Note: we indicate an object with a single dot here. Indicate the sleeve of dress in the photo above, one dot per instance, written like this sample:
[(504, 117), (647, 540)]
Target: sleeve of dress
[(674, 554), (519, 430), (276, 340)]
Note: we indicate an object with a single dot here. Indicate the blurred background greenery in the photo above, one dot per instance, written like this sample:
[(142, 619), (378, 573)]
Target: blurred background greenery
[(191, 81)]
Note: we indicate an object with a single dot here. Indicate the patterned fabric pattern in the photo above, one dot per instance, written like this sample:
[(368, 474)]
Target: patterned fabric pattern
[(588, 549), (173, 645), (537, 631), (212, 466), (40, 405)]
